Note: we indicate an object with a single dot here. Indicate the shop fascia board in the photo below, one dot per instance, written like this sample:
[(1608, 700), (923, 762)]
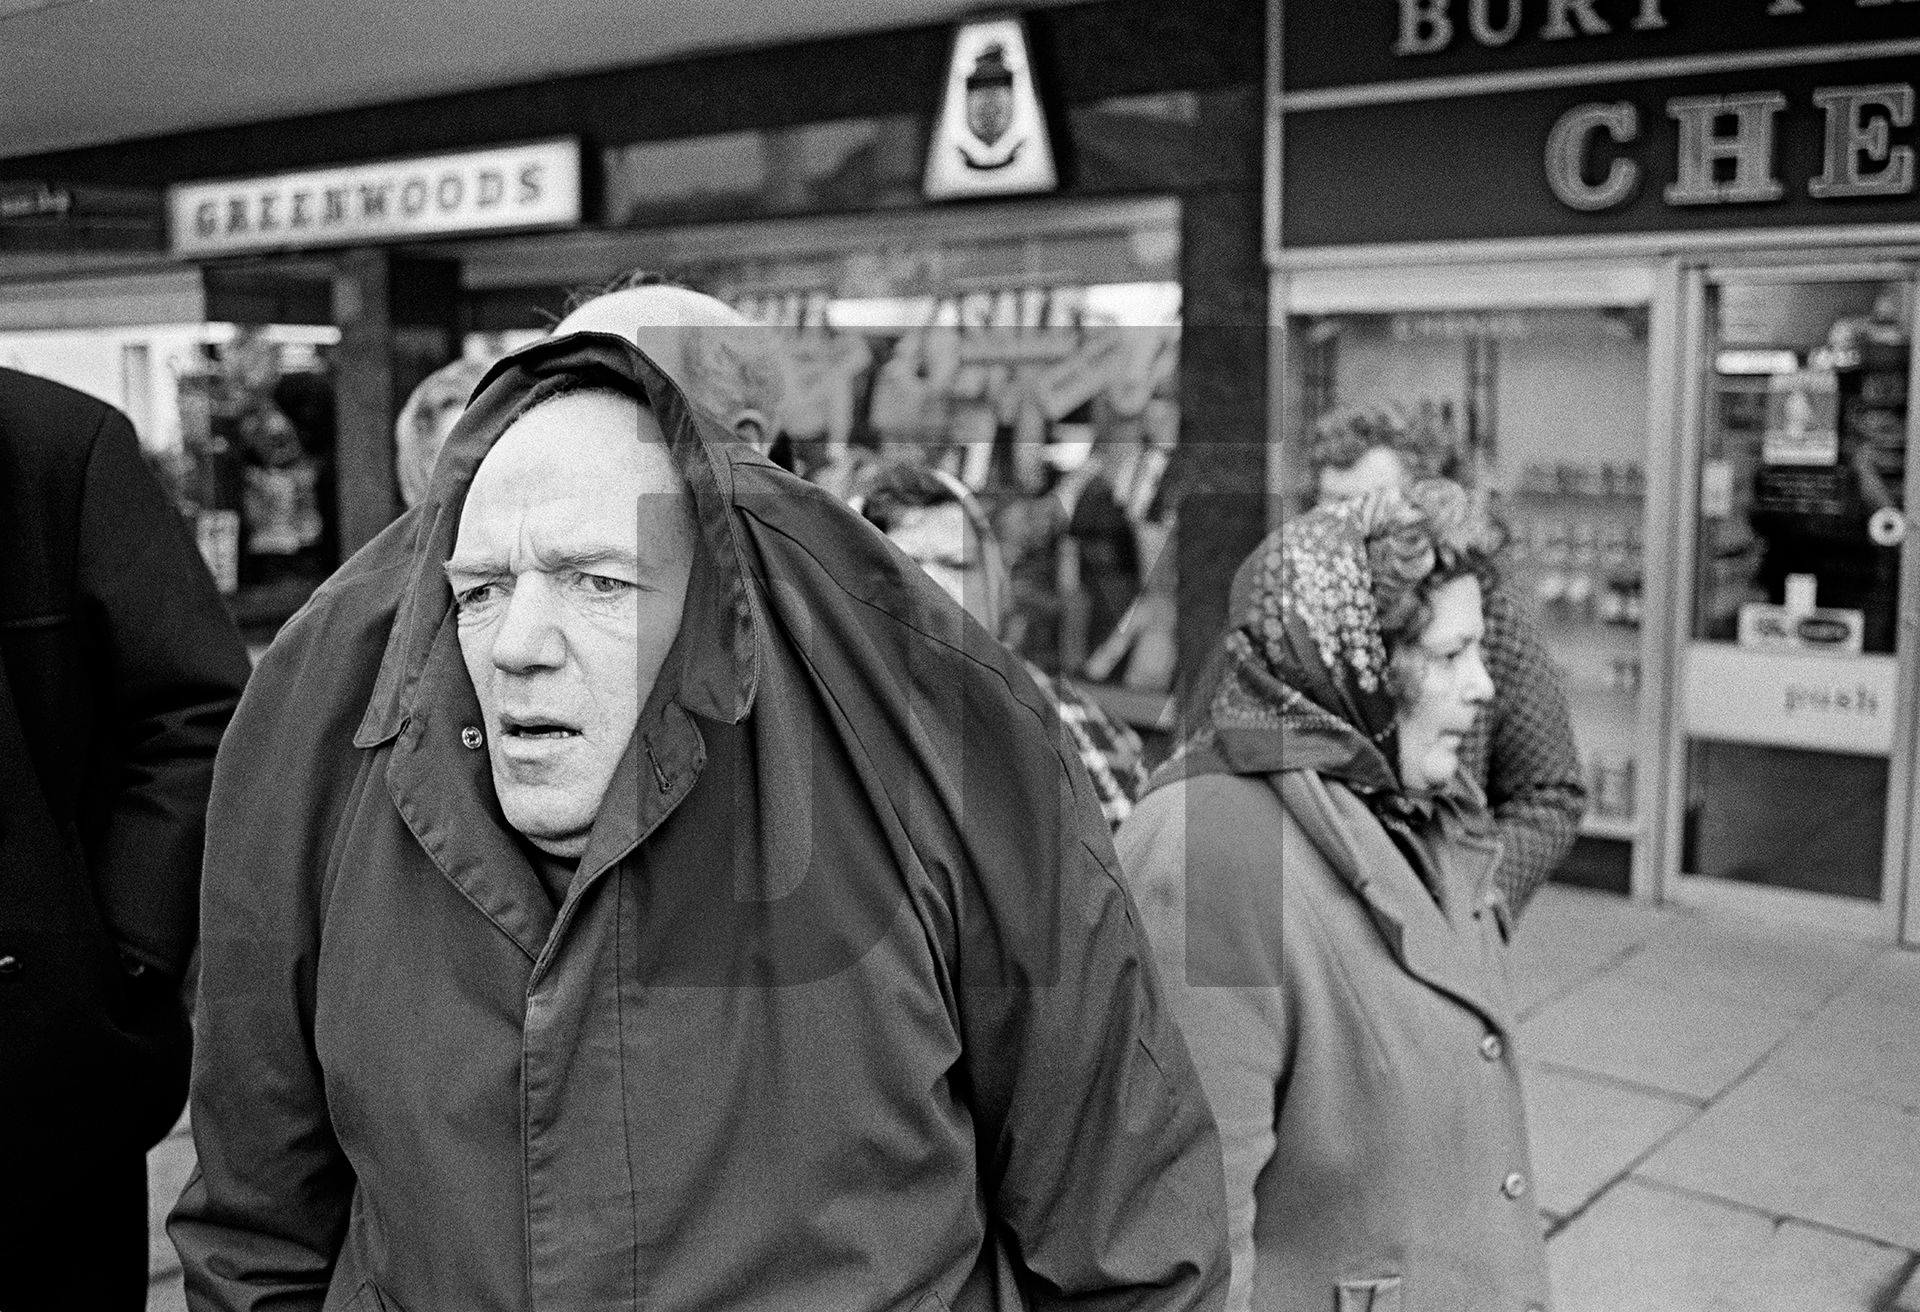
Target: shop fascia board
[(1404, 288), (154, 296), (1647, 246), (587, 255)]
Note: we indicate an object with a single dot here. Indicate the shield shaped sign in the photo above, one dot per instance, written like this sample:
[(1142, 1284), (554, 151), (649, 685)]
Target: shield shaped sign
[(991, 136)]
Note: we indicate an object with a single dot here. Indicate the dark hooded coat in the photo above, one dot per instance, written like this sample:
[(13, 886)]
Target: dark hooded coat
[(845, 1008)]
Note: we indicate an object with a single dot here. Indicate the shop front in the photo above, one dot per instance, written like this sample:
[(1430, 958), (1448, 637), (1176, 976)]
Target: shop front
[(1025, 249), (1657, 269)]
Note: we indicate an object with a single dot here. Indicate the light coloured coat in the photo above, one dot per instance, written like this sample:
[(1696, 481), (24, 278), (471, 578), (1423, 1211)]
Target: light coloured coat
[(1354, 1036)]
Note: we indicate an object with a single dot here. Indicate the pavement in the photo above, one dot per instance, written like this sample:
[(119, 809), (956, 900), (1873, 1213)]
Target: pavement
[(1725, 1113)]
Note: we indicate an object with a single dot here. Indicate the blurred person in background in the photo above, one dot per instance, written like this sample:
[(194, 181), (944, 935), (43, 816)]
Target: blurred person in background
[(728, 365), (1315, 871), (630, 883), (931, 516), (432, 409), (1521, 752), (120, 671)]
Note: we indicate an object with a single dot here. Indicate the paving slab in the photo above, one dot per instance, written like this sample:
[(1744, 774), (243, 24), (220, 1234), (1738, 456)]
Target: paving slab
[(166, 1294), (1585, 1132), (1645, 1249), (1908, 1299), (1867, 1040), (1818, 1154), (1786, 969), (168, 1166), (1692, 1043), (1568, 935)]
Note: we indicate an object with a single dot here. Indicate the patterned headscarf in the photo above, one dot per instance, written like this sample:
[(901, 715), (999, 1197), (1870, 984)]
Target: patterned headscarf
[(1302, 682)]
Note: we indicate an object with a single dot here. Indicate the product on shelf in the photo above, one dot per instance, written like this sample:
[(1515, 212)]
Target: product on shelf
[(1611, 777)]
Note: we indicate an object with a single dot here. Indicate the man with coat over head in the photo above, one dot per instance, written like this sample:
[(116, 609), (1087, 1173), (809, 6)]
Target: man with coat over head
[(632, 883), (119, 669)]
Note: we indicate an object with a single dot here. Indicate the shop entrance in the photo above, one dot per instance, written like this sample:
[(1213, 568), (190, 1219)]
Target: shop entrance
[(1796, 694)]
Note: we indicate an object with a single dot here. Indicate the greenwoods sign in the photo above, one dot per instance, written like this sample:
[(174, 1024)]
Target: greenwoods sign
[(508, 187), (1425, 120)]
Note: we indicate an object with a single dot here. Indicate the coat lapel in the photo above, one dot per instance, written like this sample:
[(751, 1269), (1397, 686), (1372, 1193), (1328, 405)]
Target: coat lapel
[(1444, 955), (444, 791)]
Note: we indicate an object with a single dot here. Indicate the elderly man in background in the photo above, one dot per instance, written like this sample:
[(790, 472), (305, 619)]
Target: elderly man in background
[(631, 883), (730, 367), (1521, 751)]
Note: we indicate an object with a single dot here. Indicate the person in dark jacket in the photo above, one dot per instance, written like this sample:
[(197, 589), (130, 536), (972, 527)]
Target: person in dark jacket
[(119, 669), (631, 883), (1521, 752)]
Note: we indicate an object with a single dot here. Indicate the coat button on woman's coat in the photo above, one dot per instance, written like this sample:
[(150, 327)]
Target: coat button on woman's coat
[(1491, 1048), (1514, 1185), (9, 966), (471, 738)]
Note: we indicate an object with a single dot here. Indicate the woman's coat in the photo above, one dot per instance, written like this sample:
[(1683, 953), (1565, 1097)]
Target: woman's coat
[(1355, 1037)]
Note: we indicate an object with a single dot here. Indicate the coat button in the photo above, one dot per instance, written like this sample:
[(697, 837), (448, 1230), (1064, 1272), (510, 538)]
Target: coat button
[(9, 966), (1514, 1185), (471, 738), (1491, 1048)]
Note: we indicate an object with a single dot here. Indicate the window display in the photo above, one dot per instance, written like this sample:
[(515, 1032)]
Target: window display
[(237, 424), (1546, 410), (1040, 371), (255, 476)]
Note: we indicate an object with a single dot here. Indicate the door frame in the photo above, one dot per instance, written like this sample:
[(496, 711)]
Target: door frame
[(1896, 915)]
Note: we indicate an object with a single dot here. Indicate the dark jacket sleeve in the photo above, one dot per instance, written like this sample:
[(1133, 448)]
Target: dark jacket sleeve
[(1531, 767), (176, 670), (1104, 1162), (261, 1221)]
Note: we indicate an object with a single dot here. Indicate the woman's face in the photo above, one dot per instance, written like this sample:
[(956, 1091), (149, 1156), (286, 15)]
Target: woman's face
[(1450, 687)]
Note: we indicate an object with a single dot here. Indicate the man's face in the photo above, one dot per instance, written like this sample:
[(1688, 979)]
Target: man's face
[(940, 541), (569, 574), (1378, 469)]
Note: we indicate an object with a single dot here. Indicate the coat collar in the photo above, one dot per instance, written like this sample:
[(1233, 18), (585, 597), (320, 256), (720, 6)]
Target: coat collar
[(1434, 940), (443, 789)]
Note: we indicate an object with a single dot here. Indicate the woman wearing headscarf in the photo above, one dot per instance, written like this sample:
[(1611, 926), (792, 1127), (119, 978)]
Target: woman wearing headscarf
[(1315, 874)]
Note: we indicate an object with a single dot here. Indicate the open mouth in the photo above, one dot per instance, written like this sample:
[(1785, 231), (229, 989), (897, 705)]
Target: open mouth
[(535, 729)]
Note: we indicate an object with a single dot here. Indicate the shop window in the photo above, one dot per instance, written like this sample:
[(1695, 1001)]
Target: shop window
[(255, 464), (1054, 404), (1546, 412)]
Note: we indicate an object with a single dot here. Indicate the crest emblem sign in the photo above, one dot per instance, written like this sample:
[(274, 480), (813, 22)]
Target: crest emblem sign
[(991, 136)]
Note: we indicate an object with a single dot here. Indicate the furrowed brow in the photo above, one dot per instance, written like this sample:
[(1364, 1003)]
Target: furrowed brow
[(470, 569), (585, 559)]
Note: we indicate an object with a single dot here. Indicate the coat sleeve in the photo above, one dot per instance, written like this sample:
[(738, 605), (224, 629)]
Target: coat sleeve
[(1099, 1152), (177, 667), (262, 1219), (1206, 894)]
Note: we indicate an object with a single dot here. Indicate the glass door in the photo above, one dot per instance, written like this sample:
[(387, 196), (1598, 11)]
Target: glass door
[(1792, 699)]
